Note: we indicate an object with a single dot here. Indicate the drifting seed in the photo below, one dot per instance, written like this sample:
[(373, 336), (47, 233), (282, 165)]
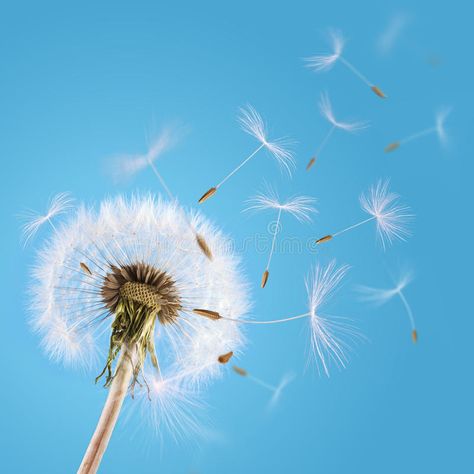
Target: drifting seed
[(240, 371), (224, 358), (391, 147), (207, 195), (264, 278), (310, 163), (207, 313), (324, 239), (203, 246), (85, 268), (377, 91), (414, 336)]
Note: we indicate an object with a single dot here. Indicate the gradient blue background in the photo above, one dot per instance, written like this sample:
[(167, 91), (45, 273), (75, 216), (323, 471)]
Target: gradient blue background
[(81, 83)]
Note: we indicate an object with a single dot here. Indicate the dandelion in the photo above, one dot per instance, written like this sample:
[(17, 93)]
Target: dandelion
[(438, 128), (330, 336), (392, 218), (324, 62), (299, 207), (275, 390), (380, 296), (253, 124), (123, 278), (392, 32), (327, 112), (59, 204), (128, 165)]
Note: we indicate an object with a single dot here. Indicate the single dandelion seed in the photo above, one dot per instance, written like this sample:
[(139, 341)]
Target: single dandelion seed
[(253, 124), (324, 62), (392, 219), (380, 296), (327, 112), (300, 207), (129, 271), (438, 128), (391, 34), (128, 165), (330, 336), (276, 390), (224, 358), (59, 204)]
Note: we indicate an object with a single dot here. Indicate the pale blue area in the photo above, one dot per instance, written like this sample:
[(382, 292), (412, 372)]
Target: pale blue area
[(85, 82)]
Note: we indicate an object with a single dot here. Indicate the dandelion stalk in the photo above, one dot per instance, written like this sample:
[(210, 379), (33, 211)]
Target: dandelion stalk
[(110, 413)]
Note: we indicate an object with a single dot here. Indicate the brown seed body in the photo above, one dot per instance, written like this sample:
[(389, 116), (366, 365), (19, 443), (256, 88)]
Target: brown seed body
[(240, 371), (224, 358), (85, 268), (311, 162), (414, 336), (326, 238), (207, 313), (203, 246), (264, 278), (378, 92), (207, 195), (391, 147)]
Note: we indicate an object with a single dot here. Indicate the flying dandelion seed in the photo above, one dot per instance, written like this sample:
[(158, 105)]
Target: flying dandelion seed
[(128, 165), (326, 111), (276, 390), (438, 129), (392, 218), (324, 62), (391, 34), (59, 204), (123, 278), (253, 124), (300, 207), (380, 296), (330, 336)]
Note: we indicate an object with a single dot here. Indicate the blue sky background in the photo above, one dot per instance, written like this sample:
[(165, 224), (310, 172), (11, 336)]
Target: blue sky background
[(84, 82)]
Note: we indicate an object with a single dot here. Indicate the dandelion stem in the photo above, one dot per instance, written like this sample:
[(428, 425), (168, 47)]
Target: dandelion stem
[(325, 140), (355, 71), (272, 321), (240, 166), (422, 133), (161, 180), (108, 418), (408, 308), (260, 382), (274, 239), (353, 226)]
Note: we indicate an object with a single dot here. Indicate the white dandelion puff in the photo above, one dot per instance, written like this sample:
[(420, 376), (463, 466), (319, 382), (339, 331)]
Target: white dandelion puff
[(300, 207), (327, 112), (331, 337), (124, 277), (324, 62), (280, 149), (380, 296), (275, 390), (60, 204), (392, 218), (439, 128)]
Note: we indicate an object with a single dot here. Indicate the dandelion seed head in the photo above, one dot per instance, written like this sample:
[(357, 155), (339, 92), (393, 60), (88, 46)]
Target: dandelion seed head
[(324, 62), (143, 264), (59, 204), (393, 219), (330, 336), (301, 207), (252, 123), (327, 112)]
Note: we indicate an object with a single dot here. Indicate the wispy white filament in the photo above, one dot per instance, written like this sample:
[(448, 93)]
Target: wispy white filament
[(59, 204)]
